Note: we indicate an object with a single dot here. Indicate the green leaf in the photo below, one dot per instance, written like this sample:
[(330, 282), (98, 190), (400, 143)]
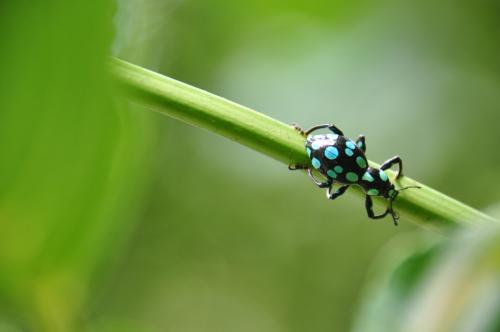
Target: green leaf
[(71, 163), (438, 285)]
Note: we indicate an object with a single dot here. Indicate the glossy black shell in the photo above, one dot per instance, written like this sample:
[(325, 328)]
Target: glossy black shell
[(337, 157)]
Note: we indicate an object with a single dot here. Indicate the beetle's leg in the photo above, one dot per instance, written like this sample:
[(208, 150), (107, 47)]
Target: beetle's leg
[(326, 184), (389, 163), (395, 216), (360, 142), (294, 167), (326, 125), (336, 194), (335, 130), (310, 130), (320, 184), (369, 209)]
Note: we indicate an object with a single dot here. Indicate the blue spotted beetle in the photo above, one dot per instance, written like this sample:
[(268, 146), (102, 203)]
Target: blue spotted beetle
[(341, 160)]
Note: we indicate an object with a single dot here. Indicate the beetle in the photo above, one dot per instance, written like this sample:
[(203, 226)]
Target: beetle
[(341, 160)]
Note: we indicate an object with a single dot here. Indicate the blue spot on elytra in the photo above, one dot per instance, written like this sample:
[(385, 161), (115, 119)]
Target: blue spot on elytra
[(309, 152), (383, 175), (331, 152), (316, 145), (360, 144), (332, 136), (331, 174), (351, 176), (349, 152), (316, 163), (338, 169), (350, 145), (368, 177), (361, 162)]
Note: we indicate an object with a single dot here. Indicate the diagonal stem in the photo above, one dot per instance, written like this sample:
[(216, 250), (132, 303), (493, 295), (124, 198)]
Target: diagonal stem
[(278, 140)]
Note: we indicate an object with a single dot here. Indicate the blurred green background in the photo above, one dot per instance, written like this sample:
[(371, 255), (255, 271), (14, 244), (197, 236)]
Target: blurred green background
[(114, 218)]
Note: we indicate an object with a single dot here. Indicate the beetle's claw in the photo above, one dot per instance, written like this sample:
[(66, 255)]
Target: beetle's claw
[(294, 167), (395, 217), (297, 128)]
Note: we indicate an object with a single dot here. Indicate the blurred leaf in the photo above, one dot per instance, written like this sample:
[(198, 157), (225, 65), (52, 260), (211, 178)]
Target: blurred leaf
[(70, 171), (444, 286)]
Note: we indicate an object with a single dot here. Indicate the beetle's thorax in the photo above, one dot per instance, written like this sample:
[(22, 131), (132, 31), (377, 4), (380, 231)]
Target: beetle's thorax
[(375, 182)]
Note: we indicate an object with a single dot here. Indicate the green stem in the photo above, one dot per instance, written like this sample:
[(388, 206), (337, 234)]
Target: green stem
[(278, 140)]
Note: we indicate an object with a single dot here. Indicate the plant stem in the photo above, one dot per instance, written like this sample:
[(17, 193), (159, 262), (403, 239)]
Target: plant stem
[(278, 140)]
